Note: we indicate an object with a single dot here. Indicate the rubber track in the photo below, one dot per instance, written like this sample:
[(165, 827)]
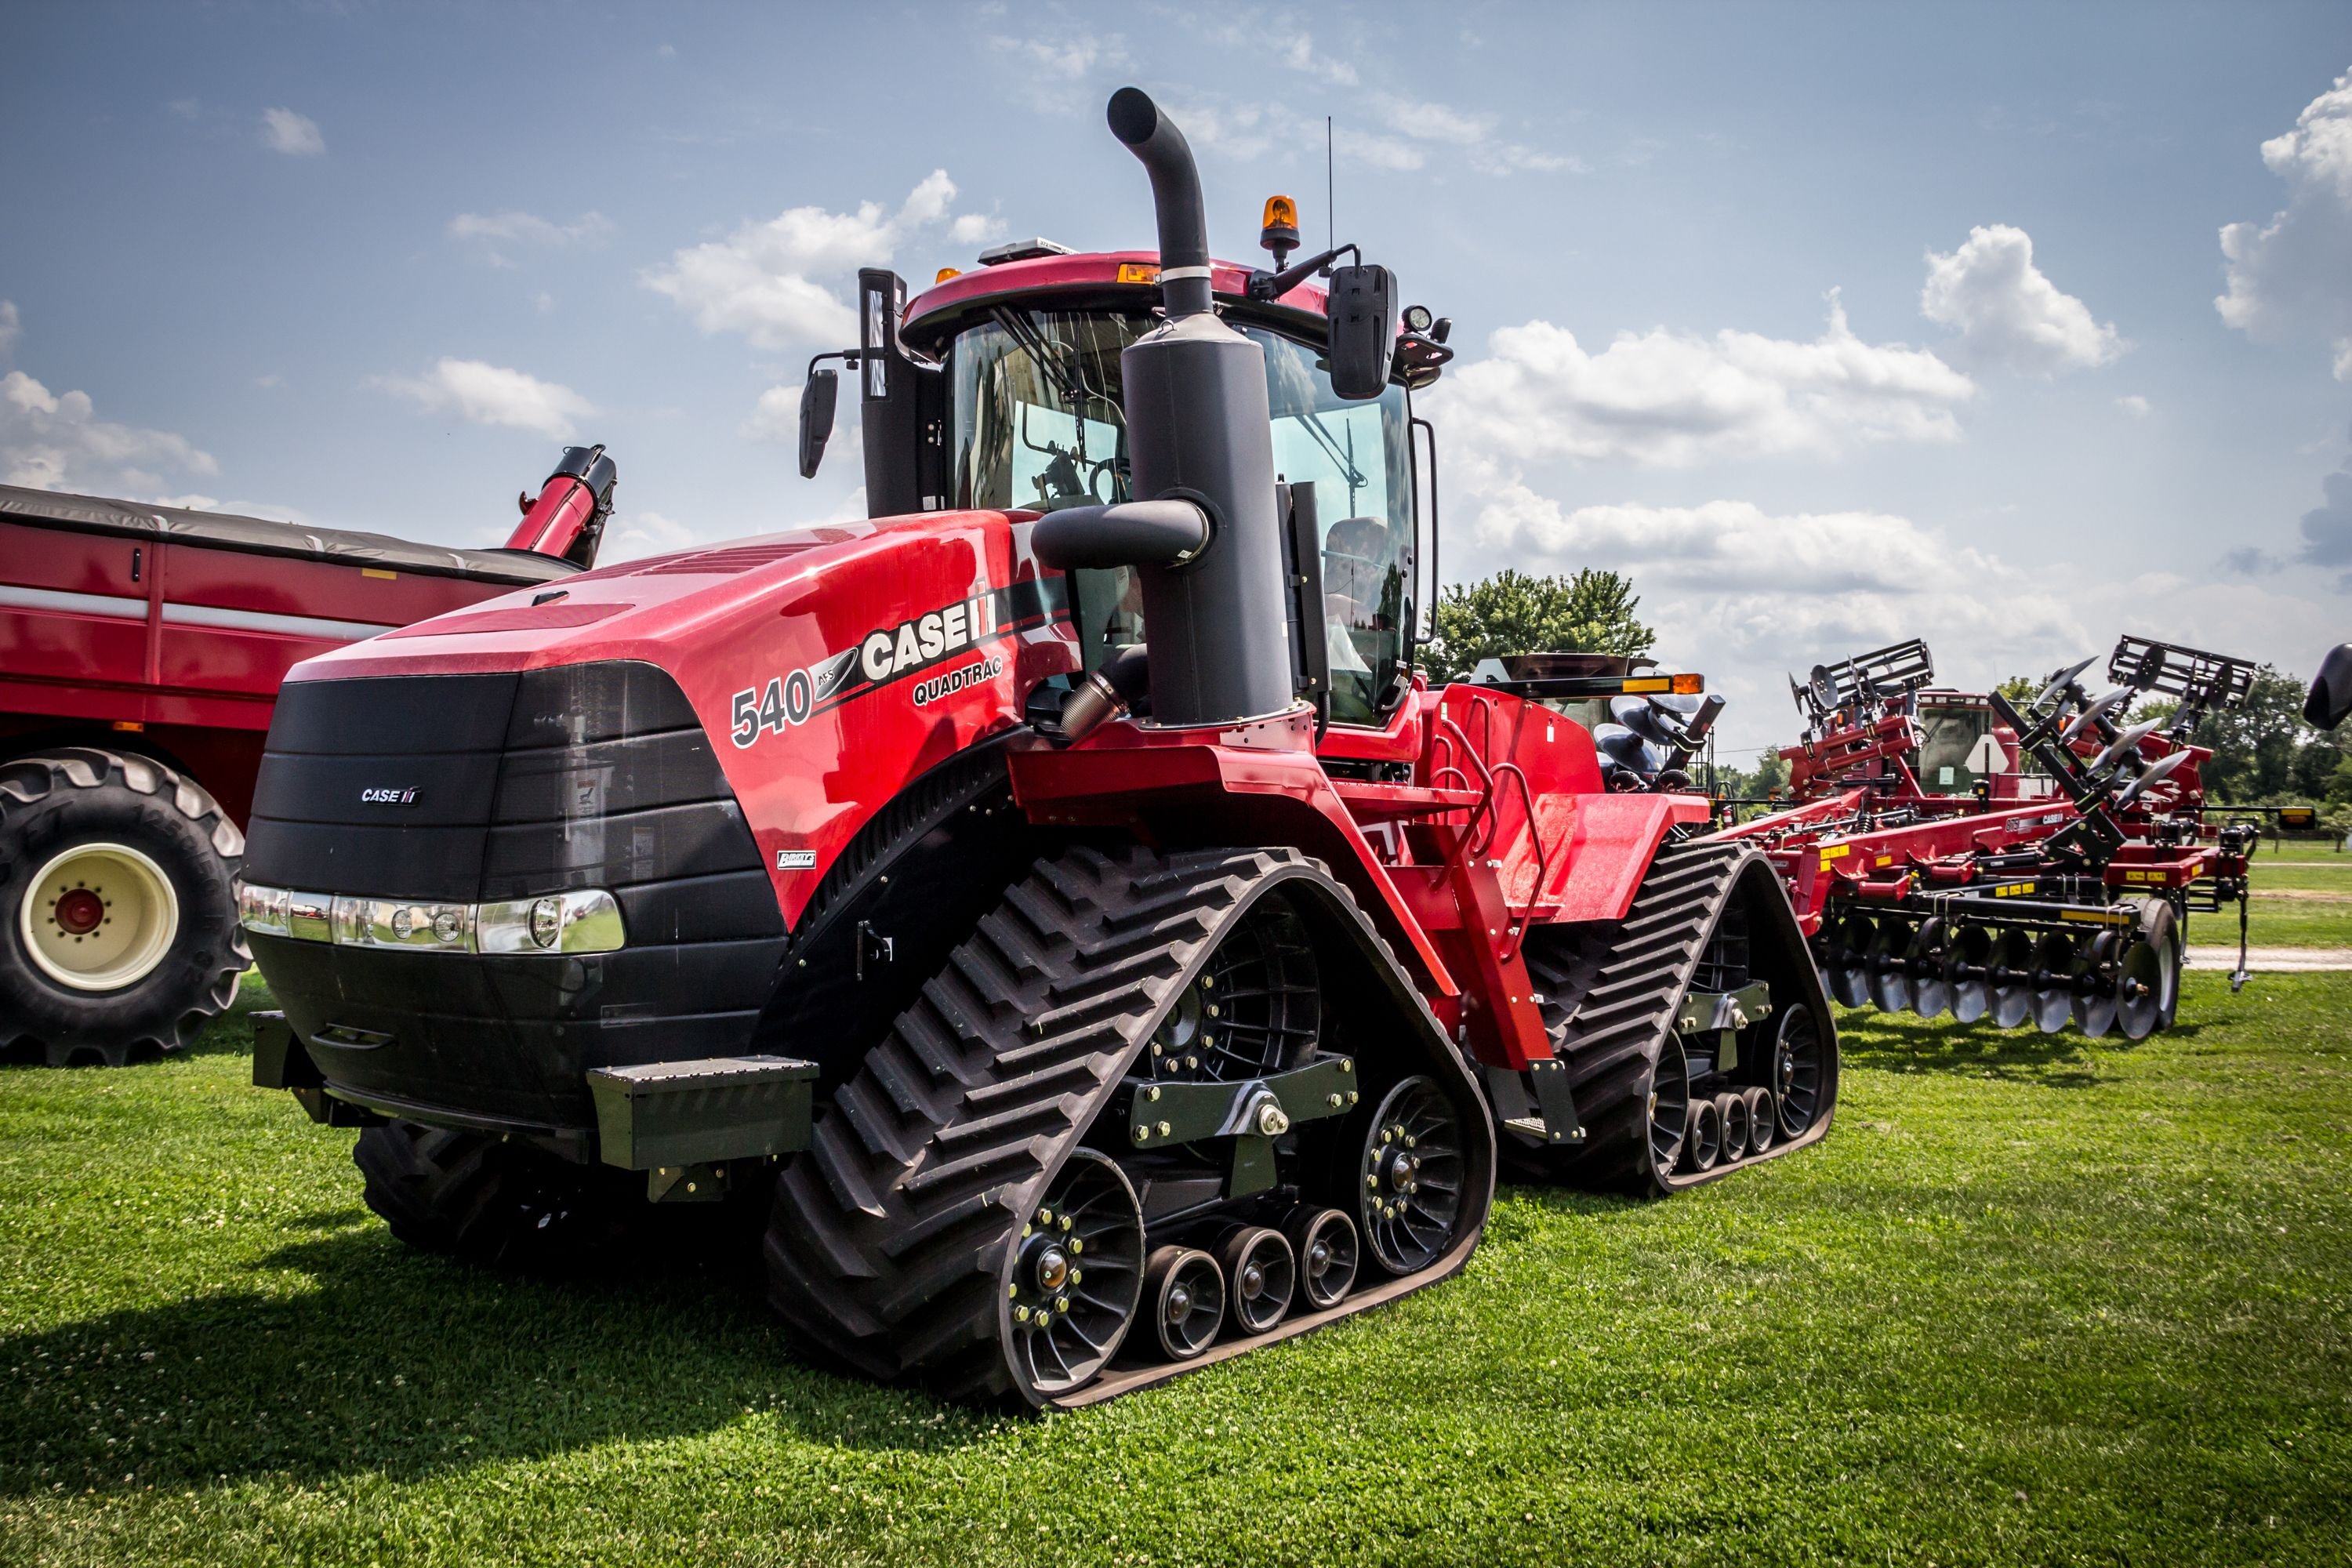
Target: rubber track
[(888, 1234), (1609, 996)]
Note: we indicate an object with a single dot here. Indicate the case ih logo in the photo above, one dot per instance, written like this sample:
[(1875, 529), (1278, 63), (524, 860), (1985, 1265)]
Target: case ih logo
[(388, 796)]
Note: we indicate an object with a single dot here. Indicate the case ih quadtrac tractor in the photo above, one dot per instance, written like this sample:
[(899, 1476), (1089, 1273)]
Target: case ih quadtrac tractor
[(1057, 899)]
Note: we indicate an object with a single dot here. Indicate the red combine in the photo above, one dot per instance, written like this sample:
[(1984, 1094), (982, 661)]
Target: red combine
[(1933, 874), (140, 653), (1076, 1008)]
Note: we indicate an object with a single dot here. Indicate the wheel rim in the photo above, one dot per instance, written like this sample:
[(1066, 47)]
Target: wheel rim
[(1409, 1180), (1763, 1120), (1261, 1272), (1669, 1103), (1325, 1241), (99, 917), (1703, 1143), (1797, 1071), (1188, 1301), (1731, 1110), (1076, 1275), (1255, 1008)]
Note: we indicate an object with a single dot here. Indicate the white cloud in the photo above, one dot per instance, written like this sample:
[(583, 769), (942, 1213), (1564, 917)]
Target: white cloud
[(283, 130), (1666, 399), (976, 229), (55, 441), (2134, 405), (2290, 277), (1071, 58), (762, 279), (1432, 122), (10, 326), (1297, 52), (491, 230), (2008, 313), (777, 416), (485, 394)]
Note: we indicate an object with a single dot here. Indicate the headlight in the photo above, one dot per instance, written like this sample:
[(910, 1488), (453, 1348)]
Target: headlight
[(583, 920)]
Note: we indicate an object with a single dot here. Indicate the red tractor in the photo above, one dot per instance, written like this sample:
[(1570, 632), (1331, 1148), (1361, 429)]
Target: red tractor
[(1933, 873), (1057, 906), (141, 652)]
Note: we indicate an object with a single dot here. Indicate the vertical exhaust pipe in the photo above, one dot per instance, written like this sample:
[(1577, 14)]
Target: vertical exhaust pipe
[(1166, 158)]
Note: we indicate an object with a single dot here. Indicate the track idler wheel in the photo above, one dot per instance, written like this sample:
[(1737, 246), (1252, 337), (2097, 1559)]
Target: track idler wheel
[(1930, 963), (1702, 1140), (2012, 979), (1669, 1099), (1261, 1271), (1967, 972), (1324, 1242), (1185, 1292), (1409, 1188), (1800, 1071), (1763, 1119), (1077, 1276), (1731, 1114), (2052, 981), (2095, 977), (1890, 967)]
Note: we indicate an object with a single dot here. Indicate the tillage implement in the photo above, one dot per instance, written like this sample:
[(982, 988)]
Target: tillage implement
[(1933, 873), (1056, 906)]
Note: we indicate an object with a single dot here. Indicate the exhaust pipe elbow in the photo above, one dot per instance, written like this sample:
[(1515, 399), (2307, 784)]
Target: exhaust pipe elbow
[(1156, 143)]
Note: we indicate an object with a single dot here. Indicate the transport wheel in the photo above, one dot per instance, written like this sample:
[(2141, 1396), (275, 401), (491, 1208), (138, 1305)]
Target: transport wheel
[(1186, 1292), (2152, 980), (1890, 968), (1930, 960), (1800, 1076), (1849, 976), (1261, 1272), (1731, 1115), (1966, 961), (1256, 1009), (1763, 1119), (488, 1201), (1408, 1192), (117, 885), (1703, 1142), (2053, 982), (2096, 979), (1078, 1277), (1324, 1240), (2012, 979)]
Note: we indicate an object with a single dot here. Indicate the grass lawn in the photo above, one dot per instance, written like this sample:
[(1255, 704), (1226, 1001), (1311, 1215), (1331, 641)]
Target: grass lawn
[(2034, 1300), (2300, 900)]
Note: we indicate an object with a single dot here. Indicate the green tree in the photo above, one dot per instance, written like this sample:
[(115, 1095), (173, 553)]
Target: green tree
[(1513, 612), (2020, 689), (2262, 750)]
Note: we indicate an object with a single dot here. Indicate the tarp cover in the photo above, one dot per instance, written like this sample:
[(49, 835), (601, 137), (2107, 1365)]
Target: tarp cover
[(96, 514)]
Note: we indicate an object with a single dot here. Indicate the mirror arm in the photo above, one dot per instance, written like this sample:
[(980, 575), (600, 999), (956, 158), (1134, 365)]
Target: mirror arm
[(1275, 285)]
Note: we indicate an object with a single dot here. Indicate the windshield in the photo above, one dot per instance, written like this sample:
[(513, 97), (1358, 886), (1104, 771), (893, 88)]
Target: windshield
[(1037, 417)]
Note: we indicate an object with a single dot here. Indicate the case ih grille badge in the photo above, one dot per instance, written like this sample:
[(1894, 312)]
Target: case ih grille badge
[(888, 654)]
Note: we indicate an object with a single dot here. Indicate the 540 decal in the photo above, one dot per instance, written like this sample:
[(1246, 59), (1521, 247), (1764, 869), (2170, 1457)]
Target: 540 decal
[(884, 654)]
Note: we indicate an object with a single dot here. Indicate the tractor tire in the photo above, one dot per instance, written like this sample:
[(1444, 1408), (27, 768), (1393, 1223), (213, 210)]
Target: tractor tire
[(119, 933), (900, 1240), (490, 1201)]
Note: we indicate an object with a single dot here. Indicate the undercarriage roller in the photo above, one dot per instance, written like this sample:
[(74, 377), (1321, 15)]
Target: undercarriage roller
[(1079, 1274), (1966, 965), (2095, 973), (1930, 955), (1323, 1241), (1260, 1273), (1848, 976), (1184, 1290), (1703, 1137), (1890, 971), (1731, 1115), (2012, 979), (2053, 982), (1408, 1186), (1763, 1119)]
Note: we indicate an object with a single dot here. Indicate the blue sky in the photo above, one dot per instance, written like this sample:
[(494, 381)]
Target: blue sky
[(1830, 325)]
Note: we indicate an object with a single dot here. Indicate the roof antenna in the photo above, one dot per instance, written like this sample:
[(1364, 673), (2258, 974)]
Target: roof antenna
[(1330, 224)]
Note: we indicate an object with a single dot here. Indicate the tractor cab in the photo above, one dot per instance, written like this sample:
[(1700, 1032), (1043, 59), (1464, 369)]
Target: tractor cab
[(1002, 389)]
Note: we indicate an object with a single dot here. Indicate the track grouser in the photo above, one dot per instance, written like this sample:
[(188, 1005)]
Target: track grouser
[(1056, 913)]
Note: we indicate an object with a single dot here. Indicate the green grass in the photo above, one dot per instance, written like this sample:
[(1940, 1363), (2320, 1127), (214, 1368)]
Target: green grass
[(2034, 1300)]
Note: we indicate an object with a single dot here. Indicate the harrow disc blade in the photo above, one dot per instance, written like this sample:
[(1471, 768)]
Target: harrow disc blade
[(2109, 703), (1890, 973), (1848, 975), (2128, 740), (1637, 715), (2060, 681), (2155, 773), (1965, 964), (2140, 989), (2053, 982), (2095, 986), (1930, 953), (2012, 979)]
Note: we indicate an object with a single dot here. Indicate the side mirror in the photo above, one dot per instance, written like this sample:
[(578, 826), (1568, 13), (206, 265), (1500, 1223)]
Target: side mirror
[(1363, 316), (817, 400), (2330, 702)]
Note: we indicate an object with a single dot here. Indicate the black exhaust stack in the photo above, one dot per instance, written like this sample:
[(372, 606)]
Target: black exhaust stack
[(1198, 431)]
